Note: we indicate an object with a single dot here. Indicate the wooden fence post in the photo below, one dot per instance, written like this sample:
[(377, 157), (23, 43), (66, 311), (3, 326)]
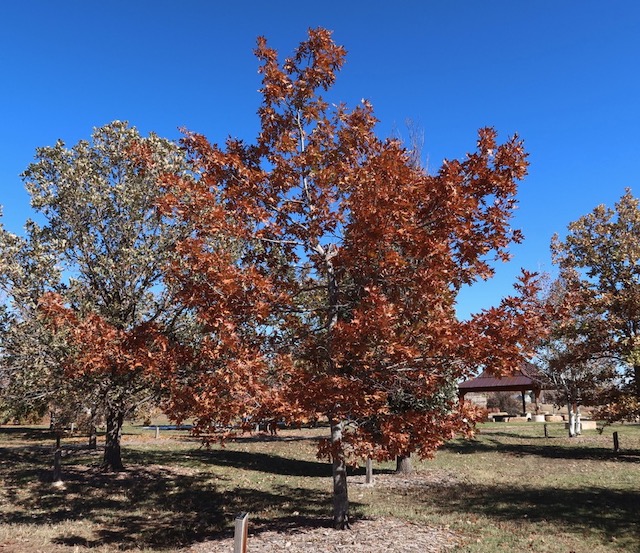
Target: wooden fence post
[(546, 430), (241, 534), (616, 443)]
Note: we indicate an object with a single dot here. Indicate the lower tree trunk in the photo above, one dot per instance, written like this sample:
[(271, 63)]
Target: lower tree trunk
[(57, 462), (340, 496), (369, 471), (404, 464), (112, 460), (93, 431), (572, 421), (93, 436)]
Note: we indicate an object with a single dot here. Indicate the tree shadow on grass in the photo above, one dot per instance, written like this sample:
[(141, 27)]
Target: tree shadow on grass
[(613, 513), (159, 506), (244, 460), (544, 448), (262, 437), (10, 434)]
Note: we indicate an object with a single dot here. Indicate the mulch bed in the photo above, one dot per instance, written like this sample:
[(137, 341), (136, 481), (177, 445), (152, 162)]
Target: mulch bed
[(382, 535)]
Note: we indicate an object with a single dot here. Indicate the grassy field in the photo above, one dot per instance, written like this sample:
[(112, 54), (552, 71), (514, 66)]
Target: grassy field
[(510, 489)]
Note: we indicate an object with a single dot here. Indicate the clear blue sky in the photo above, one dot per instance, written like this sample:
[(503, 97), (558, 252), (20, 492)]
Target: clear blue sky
[(564, 75)]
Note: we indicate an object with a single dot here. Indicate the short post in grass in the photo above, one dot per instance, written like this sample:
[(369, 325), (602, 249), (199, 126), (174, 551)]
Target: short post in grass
[(241, 534), (546, 430), (369, 471), (157, 432), (616, 443)]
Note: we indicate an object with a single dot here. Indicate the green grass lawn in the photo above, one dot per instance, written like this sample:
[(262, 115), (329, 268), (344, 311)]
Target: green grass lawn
[(509, 489), (512, 489)]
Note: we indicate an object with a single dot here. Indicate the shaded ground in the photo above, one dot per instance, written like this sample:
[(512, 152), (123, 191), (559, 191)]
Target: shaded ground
[(508, 490)]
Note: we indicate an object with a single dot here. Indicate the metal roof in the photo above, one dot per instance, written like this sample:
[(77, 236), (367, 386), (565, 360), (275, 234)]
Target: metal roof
[(522, 379)]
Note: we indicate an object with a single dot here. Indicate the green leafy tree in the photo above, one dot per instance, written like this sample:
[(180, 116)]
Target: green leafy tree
[(599, 260), (29, 353), (109, 307)]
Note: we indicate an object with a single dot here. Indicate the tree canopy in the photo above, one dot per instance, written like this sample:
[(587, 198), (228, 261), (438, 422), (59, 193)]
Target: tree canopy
[(599, 259), (90, 280), (325, 265)]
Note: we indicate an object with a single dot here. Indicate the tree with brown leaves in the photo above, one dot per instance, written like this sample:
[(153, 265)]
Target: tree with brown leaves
[(325, 268)]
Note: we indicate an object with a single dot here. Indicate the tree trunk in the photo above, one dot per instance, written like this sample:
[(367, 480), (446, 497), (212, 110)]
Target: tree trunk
[(572, 421), (340, 496), (112, 460), (57, 462), (93, 431), (369, 472), (93, 436), (404, 464)]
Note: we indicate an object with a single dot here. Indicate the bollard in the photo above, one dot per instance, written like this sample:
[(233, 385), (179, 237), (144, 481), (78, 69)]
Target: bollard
[(157, 432), (546, 430), (241, 534), (616, 443)]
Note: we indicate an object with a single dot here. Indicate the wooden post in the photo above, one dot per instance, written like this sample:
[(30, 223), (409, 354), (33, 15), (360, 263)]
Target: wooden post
[(241, 534), (369, 476), (546, 430), (157, 432), (616, 443)]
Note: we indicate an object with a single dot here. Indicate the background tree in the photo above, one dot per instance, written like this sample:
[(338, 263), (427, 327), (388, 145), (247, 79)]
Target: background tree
[(350, 257), (600, 257), (504, 402), (111, 309), (567, 360), (29, 354)]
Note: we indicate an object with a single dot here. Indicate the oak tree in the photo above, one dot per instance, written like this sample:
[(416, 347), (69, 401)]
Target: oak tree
[(325, 266), (569, 358), (111, 309), (29, 353), (600, 256)]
